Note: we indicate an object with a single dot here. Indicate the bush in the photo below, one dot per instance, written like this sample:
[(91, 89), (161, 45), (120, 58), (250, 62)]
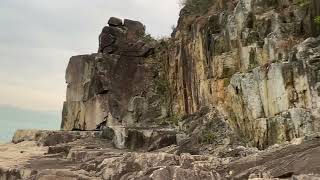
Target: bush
[(302, 3), (147, 38), (197, 6), (161, 86), (207, 137), (171, 120), (317, 20)]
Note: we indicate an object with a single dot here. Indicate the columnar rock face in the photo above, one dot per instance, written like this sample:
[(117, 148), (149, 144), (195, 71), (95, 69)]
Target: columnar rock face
[(256, 61), (116, 86), (247, 72), (252, 60)]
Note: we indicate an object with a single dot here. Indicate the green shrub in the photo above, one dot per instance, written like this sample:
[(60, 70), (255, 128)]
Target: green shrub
[(147, 38), (207, 137), (197, 6), (302, 3), (174, 119), (161, 86), (171, 120), (317, 20)]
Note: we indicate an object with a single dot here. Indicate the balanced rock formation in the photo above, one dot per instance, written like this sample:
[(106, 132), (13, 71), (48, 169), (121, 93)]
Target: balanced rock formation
[(117, 86)]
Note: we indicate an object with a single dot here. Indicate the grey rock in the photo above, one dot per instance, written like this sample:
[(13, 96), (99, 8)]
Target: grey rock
[(116, 87), (113, 21), (135, 28), (233, 95), (142, 138), (105, 93), (51, 138), (126, 40), (92, 157)]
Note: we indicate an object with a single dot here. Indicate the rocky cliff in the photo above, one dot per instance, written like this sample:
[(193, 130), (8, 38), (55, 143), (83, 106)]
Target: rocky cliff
[(116, 86), (256, 61), (233, 94)]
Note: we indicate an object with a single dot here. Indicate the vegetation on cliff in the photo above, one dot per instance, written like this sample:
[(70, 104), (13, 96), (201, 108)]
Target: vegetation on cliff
[(306, 3), (197, 6), (317, 20)]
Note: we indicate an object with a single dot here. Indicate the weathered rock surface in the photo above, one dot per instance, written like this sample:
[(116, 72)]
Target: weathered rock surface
[(139, 138), (51, 138), (234, 94), (115, 87), (92, 157), (255, 61)]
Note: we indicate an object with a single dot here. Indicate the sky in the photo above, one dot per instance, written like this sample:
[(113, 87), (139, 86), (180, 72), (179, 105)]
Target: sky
[(37, 38)]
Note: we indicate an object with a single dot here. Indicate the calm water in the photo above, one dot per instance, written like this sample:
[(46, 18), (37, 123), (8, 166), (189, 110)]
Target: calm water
[(12, 119)]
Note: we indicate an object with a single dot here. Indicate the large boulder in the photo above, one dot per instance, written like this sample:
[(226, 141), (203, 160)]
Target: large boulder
[(148, 139), (127, 39), (113, 21)]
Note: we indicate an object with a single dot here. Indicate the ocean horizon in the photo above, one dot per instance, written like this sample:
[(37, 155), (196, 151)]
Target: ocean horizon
[(12, 119)]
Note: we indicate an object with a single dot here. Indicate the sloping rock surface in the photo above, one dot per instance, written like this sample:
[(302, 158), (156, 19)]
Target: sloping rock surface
[(92, 157)]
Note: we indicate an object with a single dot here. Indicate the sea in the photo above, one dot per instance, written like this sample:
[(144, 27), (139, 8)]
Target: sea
[(12, 119)]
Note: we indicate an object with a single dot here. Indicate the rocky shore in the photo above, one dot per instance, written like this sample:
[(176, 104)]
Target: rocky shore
[(47, 155), (233, 94)]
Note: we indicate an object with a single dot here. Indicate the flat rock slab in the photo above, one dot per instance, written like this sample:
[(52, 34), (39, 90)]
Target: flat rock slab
[(12, 155), (30, 159), (284, 161), (51, 138)]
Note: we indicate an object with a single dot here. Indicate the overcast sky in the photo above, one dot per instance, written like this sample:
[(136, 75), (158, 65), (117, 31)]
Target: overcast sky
[(37, 38)]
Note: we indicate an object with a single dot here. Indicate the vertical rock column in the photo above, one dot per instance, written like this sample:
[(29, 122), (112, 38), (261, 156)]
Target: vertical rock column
[(116, 86)]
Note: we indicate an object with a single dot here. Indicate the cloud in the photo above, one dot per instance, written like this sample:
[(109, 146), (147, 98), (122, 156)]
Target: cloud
[(37, 37)]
